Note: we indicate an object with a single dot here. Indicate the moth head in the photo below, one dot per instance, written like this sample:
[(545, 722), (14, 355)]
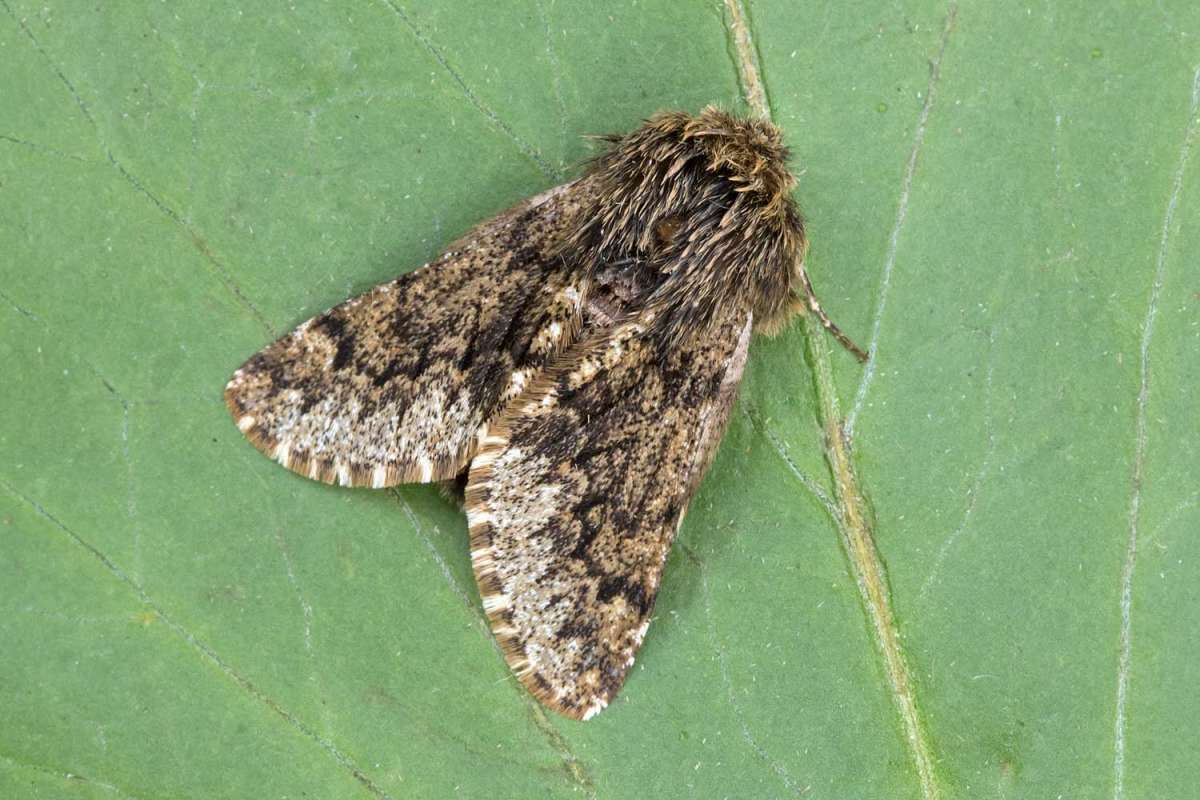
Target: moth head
[(704, 202)]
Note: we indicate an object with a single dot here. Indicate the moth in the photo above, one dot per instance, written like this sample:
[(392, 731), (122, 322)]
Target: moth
[(573, 360)]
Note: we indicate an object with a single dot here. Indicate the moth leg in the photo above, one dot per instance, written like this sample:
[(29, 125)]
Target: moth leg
[(814, 306)]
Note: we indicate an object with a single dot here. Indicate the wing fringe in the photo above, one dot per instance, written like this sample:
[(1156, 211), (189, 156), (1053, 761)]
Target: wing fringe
[(340, 472)]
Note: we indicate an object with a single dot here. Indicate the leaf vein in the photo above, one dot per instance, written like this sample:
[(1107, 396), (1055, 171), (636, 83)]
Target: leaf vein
[(1125, 648), (40, 148), (201, 648), (66, 775), (889, 260), (748, 736), (528, 150), (574, 768), (981, 474), (853, 523), (223, 275), (807, 481)]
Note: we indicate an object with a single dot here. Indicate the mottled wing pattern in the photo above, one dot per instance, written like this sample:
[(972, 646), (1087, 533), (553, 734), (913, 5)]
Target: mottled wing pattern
[(393, 386), (577, 492)]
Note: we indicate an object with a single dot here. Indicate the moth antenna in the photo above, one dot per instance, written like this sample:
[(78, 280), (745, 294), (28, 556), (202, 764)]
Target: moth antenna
[(829, 324)]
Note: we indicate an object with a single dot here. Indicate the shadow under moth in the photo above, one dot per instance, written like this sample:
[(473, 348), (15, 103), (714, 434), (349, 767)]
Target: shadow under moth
[(574, 360)]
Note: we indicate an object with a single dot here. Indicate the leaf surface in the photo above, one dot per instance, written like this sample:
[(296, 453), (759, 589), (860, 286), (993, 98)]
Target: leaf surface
[(1011, 230)]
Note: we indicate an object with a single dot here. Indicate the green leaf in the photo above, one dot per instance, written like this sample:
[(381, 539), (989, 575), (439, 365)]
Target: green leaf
[(1001, 202)]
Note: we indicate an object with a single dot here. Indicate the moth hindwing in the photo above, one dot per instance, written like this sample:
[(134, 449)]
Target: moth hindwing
[(575, 358)]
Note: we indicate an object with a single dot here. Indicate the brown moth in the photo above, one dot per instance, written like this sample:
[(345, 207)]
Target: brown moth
[(575, 359)]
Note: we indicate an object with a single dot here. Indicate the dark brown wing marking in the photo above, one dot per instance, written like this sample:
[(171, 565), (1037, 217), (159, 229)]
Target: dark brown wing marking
[(577, 492), (393, 386)]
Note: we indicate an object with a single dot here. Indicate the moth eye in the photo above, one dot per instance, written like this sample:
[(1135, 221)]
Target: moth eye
[(665, 231)]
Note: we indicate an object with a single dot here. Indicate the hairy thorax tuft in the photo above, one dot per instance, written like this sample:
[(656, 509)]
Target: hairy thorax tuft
[(699, 206)]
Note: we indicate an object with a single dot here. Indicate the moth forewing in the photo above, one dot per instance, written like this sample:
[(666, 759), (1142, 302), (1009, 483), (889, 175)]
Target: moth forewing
[(579, 354), (574, 505), (392, 386)]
